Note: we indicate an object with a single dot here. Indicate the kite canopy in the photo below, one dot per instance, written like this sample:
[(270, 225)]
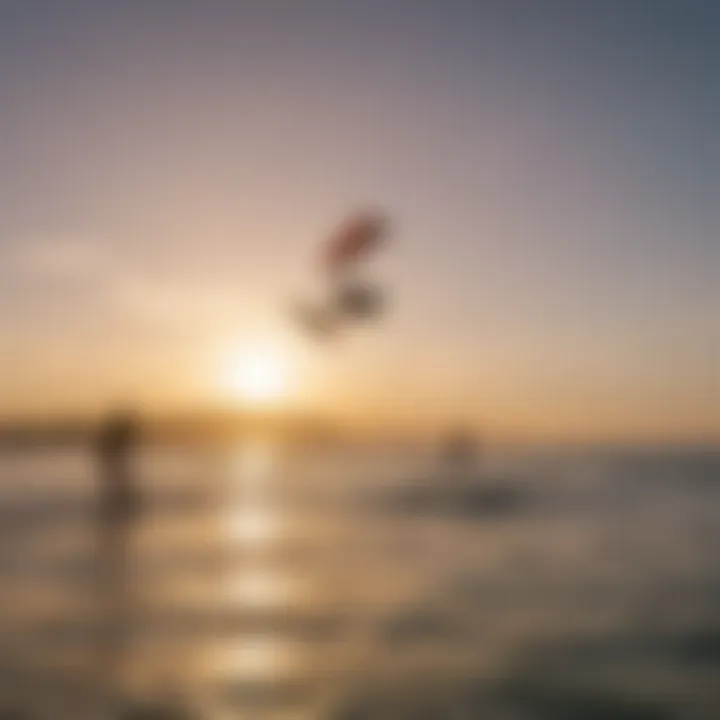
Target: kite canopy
[(356, 238)]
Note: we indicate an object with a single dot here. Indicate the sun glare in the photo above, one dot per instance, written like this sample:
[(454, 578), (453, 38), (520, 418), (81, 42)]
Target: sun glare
[(258, 376)]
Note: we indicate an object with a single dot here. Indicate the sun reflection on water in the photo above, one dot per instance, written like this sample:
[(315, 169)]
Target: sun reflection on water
[(261, 588), (253, 521), (256, 524)]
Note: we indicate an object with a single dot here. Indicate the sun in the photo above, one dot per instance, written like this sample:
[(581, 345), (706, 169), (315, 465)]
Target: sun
[(259, 376)]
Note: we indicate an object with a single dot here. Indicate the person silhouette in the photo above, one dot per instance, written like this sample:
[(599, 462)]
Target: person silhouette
[(459, 450), (118, 511)]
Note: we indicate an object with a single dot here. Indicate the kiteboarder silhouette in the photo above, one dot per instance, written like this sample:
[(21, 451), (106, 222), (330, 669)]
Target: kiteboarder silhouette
[(348, 297)]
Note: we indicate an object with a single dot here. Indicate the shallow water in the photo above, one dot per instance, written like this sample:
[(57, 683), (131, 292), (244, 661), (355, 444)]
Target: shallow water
[(273, 582)]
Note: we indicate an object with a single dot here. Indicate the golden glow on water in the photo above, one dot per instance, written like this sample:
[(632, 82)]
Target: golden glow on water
[(253, 465), (254, 525), (256, 658), (252, 522), (261, 588), (251, 515)]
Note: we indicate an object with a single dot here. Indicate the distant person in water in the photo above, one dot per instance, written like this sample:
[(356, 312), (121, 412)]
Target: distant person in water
[(116, 444), (118, 510), (459, 451)]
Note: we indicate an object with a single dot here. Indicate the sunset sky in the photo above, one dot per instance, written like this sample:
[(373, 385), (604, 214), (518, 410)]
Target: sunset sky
[(552, 169)]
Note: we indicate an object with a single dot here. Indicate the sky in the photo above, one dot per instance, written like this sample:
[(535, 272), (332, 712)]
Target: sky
[(552, 171)]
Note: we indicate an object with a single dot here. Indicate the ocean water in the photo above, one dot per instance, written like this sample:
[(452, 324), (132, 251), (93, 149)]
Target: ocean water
[(268, 581)]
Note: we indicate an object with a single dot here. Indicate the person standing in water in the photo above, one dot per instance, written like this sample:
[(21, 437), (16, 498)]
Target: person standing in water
[(460, 451), (118, 510)]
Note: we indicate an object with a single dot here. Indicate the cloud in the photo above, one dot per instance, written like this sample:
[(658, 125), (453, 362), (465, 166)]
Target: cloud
[(180, 304), (60, 258)]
